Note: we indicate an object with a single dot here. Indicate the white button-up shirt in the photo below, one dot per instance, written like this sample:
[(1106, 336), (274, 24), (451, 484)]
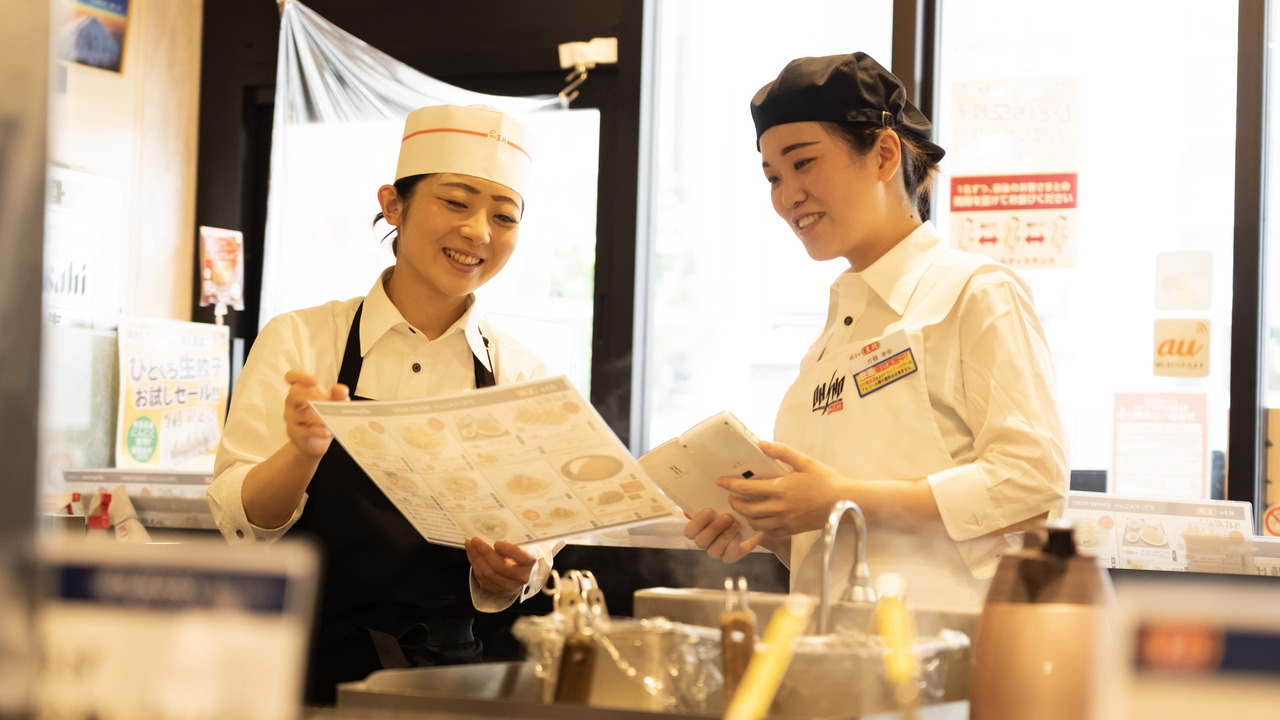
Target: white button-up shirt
[(989, 378), (314, 340)]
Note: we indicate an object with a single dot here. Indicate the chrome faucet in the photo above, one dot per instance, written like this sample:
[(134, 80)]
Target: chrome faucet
[(859, 590)]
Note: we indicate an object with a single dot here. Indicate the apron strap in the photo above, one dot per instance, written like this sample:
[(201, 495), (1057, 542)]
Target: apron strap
[(390, 654), (484, 376), (349, 370)]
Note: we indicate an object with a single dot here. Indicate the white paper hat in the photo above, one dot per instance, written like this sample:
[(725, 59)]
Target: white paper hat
[(473, 140)]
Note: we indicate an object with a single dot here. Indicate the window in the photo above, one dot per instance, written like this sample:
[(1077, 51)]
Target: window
[(1132, 274), (736, 301)]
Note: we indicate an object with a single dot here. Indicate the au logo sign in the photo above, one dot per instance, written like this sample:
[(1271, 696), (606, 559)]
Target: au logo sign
[(1181, 348)]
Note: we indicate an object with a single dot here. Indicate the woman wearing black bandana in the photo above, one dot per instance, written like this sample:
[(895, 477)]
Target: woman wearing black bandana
[(927, 398), (389, 599)]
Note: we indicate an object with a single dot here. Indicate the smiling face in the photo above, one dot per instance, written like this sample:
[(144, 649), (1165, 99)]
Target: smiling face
[(836, 201), (455, 233)]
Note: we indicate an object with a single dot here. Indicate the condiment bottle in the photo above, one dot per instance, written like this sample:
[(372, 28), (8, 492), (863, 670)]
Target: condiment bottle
[(896, 629), (767, 667), (737, 636), (577, 662), (1043, 628)]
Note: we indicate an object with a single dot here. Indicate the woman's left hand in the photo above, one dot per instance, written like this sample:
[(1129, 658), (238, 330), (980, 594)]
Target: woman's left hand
[(796, 502), (502, 568)]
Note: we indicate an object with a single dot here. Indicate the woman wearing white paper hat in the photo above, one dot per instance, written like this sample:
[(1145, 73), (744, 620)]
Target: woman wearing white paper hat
[(928, 397), (389, 599)]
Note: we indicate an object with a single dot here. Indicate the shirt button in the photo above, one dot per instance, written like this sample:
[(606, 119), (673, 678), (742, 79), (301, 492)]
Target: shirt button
[(417, 367), (848, 319)]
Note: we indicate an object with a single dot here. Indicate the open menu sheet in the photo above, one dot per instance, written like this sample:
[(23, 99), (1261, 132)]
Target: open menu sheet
[(522, 462)]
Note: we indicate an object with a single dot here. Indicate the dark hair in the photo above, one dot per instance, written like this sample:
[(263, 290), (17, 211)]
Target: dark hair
[(918, 168), (405, 188)]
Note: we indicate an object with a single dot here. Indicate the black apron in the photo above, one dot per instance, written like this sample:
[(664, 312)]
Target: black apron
[(388, 597)]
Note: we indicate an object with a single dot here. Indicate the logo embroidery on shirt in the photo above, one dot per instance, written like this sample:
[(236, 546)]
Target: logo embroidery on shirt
[(827, 396)]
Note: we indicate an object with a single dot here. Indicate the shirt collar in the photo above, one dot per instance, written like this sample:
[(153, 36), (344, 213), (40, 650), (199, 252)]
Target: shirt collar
[(895, 275), (380, 316)]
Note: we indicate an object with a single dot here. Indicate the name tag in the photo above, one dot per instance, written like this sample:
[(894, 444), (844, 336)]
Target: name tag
[(881, 363)]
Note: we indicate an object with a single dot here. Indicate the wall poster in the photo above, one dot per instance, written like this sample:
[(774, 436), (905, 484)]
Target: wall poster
[(1014, 180), (1161, 445), (83, 236), (93, 33), (174, 380)]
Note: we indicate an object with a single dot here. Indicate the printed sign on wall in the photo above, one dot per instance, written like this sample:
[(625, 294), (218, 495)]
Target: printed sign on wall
[(1184, 280), (1014, 184), (174, 379), (221, 268), (1161, 445), (1020, 220), (1181, 348), (84, 231)]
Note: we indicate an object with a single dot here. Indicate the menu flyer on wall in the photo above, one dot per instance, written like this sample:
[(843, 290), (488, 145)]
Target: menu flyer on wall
[(1014, 180), (84, 229), (1161, 445), (1149, 534), (523, 462), (221, 267), (173, 393)]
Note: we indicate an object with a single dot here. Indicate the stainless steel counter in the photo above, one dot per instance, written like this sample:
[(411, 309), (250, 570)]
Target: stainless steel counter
[(509, 691), (947, 711)]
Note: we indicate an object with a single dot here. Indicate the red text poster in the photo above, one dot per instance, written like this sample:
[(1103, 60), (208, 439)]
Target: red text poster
[(1015, 185), (1021, 220)]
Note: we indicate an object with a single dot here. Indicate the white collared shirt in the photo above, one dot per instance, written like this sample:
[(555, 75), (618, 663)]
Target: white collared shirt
[(314, 340), (990, 380)]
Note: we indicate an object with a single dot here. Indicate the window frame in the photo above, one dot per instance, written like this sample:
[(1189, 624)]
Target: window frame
[(1246, 439)]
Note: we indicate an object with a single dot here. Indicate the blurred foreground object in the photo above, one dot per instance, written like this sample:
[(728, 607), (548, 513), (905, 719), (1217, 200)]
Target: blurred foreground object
[(195, 630), (1044, 624), (769, 664), (1192, 645)]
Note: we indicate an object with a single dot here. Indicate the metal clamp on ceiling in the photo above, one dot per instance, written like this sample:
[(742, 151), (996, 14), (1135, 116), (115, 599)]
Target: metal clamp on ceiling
[(582, 56)]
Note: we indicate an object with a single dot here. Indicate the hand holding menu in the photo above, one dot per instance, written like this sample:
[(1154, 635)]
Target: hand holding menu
[(523, 462), (686, 468)]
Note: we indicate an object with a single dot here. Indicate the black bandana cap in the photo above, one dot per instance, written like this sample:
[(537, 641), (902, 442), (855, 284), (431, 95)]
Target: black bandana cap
[(840, 88)]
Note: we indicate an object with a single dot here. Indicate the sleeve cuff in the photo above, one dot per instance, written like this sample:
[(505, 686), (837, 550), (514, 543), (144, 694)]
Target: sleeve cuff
[(982, 555), (485, 601), (964, 502), (228, 511)]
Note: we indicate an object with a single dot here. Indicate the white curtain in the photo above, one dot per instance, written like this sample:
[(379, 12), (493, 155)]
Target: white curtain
[(339, 112)]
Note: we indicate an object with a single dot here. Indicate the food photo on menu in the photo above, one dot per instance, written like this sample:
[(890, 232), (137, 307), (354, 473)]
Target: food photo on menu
[(523, 462), (1207, 528), (1144, 533), (1094, 533), (1126, 541)]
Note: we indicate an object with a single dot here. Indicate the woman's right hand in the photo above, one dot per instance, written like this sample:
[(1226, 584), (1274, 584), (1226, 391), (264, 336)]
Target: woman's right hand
[(306, 430), (719, 535)]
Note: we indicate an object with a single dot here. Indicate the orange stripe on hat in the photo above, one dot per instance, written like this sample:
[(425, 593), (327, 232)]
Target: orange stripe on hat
[(499, 138)]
